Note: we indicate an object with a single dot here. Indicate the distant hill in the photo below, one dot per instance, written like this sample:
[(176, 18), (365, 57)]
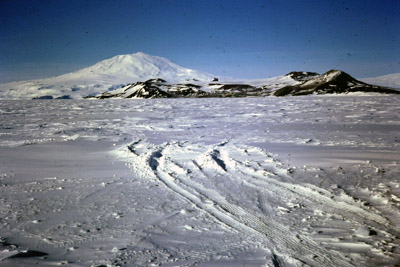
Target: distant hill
[(332, 82), (390, 80)]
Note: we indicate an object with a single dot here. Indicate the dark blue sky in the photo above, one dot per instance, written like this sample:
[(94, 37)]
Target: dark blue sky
[(244, 39)]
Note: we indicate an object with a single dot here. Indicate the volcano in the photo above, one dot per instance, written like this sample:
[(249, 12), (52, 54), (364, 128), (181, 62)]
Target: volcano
[(103, 76)]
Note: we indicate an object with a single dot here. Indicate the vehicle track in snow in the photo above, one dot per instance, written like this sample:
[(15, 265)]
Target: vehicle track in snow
[(320, 197), (204, 175)]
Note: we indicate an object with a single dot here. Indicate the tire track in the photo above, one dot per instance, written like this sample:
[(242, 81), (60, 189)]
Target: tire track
[(324, 198), (266, 231)]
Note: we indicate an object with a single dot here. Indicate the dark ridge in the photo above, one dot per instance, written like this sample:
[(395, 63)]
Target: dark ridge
[(186, 92), (236, 90), (302, 75), (149, 92), (287, 90), (233, 87), (43, 97), (332, 82), (64, 97)]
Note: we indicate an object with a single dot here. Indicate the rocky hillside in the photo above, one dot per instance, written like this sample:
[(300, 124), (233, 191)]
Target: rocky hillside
[(332, 82), (154, 88), (294, 84)]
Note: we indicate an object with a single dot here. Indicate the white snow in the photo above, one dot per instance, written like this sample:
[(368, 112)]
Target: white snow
[(201, 182), (390, 80)]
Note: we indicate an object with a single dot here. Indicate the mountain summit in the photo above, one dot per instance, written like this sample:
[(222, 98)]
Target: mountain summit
[(103, 76), (140, 66)]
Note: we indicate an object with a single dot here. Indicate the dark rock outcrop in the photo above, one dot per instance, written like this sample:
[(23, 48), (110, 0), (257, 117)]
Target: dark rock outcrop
[(236, 90), (43, 97), (154, 88), (302, 76), (332, 82), (64, 97)]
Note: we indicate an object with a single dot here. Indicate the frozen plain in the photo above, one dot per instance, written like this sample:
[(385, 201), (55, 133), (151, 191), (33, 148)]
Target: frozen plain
[(292, 181)]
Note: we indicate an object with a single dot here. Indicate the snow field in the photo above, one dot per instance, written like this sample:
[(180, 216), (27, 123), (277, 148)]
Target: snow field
[(207, 182)]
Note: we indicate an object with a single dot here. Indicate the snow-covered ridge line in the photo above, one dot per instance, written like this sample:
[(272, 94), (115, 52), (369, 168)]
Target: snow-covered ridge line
[(102, 78), (294, 83), (390, 80)]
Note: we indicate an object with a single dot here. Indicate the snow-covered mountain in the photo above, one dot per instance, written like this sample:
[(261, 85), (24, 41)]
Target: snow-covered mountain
[(103, 76), (390, 80), (144, 76)]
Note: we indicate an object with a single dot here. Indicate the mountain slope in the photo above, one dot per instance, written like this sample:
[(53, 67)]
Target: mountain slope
[(332, 82), (103, 76), (390, 80), (294, 83), (159, 88), (153, 88)]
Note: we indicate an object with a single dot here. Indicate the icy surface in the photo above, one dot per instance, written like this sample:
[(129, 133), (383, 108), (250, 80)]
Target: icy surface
[(207, 182)]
